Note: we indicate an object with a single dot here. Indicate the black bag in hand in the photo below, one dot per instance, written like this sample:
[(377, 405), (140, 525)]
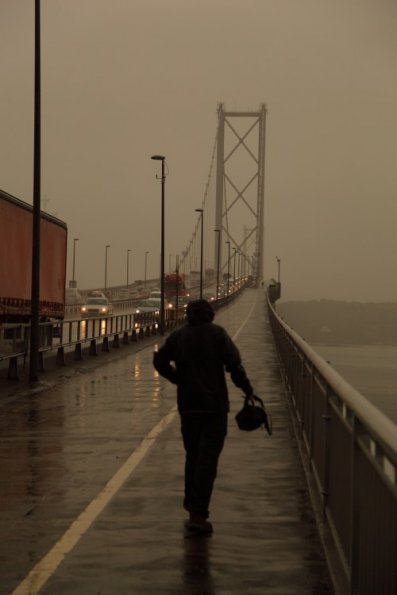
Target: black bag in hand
[(253, 415)]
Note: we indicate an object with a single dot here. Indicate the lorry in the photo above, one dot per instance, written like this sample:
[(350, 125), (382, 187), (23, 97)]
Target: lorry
[(16, 221), (174, 284)]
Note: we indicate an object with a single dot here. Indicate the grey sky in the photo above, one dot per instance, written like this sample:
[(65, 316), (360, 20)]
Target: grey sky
[(128, 78)]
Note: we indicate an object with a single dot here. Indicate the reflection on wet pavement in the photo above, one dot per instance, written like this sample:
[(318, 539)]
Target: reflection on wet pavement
[(60, 448)]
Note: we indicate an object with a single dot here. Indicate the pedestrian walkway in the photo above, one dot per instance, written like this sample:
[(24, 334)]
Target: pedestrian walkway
[(117, 423)]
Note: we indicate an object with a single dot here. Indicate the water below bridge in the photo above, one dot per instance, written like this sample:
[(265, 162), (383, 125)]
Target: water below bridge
[(92, 484)]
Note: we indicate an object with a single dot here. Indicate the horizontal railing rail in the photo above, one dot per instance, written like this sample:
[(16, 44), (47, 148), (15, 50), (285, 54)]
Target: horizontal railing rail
[(72, 334), (68, 335), (351, 447)]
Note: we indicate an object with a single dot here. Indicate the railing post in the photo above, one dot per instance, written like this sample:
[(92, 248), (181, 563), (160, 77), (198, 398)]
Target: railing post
[(13, 369), (60, 359), (77, 352), (93, 349), (326, 420), (354, 512)]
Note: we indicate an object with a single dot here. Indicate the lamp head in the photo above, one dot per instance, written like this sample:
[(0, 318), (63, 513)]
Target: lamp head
[(158, 157)]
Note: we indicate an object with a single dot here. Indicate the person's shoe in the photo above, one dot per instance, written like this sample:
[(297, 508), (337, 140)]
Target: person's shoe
[(198, 524)]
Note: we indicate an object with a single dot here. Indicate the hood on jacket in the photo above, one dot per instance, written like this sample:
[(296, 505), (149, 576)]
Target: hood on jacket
[(199, 312)]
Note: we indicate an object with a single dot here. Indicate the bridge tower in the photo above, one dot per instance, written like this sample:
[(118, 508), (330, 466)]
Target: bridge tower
[(241, 168)]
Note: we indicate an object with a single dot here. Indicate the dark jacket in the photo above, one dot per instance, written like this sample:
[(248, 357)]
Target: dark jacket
[(200, 354)]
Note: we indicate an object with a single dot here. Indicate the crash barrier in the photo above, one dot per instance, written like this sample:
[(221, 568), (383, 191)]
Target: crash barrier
[(351, 449), (68, 335)]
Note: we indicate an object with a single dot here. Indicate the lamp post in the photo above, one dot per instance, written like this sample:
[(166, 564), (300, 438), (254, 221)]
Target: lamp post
[(218, 231), (162, 159), (228, 267), (234, 269), (201, 211), (128, 265), (35, 286), (74, 259), (146, 253), (177, 287), (278, 269), (106, 264)]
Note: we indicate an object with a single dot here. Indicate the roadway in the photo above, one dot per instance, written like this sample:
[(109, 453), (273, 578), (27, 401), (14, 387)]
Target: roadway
[(92, 480)]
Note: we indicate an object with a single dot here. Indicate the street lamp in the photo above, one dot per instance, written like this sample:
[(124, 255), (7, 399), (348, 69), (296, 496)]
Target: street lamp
[(218, 231), (162, 159), (106, 264), (146, 253), (74, 259), (201, 211), (176, 287), (128, 265), (278, 269), (35, 283), (234, 269), (228, 266)]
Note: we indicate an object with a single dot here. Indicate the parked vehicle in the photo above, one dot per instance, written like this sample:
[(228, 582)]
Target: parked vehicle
[(96, 306), (16, 262)]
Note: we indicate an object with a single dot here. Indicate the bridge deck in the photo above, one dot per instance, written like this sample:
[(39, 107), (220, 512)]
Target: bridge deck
[(59, 447)]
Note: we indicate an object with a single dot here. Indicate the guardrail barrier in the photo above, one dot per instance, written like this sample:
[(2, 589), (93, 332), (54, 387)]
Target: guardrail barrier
[(72, 334), (352, 451)]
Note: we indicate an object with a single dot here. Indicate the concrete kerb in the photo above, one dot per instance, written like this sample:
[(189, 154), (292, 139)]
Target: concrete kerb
[(71, 358), (53, 367)]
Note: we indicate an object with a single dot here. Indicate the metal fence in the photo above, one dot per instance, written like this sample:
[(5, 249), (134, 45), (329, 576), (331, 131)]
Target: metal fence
[(72, 335), (352, 451)]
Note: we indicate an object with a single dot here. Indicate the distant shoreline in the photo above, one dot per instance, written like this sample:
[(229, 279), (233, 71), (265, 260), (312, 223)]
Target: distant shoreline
[(328, 322)]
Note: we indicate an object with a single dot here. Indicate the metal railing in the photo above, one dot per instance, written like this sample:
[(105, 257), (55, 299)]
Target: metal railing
[(352, 451), (74, 334), (71, 335)]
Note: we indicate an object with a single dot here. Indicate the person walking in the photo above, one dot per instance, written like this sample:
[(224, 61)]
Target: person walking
[(195, 357)]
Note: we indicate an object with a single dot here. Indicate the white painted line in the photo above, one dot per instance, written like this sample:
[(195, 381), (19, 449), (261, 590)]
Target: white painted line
[(44, 569), (40, 574), (236, 334)]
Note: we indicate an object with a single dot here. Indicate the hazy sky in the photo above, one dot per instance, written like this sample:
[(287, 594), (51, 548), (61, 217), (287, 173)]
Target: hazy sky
[(124, 79)]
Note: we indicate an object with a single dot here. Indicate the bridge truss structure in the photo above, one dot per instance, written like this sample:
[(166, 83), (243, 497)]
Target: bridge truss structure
[(241, 170), (233, 202)]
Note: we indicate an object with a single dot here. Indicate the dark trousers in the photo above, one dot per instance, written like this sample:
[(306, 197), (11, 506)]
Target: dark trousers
[(203, 437)]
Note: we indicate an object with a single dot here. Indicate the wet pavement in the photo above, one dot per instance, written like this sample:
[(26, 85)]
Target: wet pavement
[(91, 491)]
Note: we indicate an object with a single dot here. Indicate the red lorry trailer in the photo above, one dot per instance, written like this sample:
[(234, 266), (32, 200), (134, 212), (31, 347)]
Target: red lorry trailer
[(174, 284), (16, 219)]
